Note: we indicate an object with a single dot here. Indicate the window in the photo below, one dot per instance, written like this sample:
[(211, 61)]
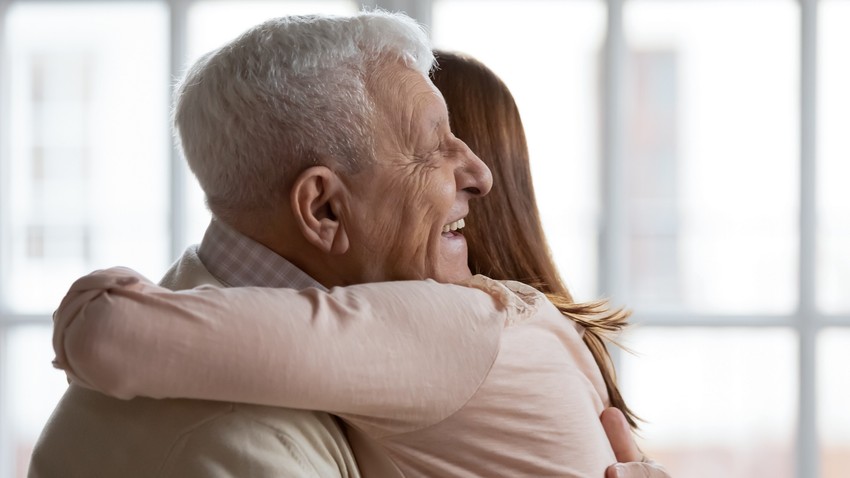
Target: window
[(832, 273), (711, 148), (689, 157), (833, 169), (833, 394), (550, 62), (83, 161), (703, 393)]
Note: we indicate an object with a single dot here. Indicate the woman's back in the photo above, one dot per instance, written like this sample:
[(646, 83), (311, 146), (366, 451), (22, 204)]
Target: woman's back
[(535, 414)]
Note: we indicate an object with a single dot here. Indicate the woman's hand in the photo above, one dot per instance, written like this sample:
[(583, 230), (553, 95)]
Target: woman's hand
[(631, 462)]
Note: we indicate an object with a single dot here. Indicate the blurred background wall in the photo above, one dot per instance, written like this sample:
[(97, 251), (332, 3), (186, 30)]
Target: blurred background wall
[(691, 160)]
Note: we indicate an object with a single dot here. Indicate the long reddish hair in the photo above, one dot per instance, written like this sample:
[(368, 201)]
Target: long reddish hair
[(506, 239)]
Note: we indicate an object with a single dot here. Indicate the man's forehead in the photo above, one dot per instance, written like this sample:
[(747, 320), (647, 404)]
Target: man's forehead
[(412, 91), (429, 102), (432, 103)]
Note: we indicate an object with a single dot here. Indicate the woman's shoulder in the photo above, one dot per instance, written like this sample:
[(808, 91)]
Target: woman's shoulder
[(522, 302)]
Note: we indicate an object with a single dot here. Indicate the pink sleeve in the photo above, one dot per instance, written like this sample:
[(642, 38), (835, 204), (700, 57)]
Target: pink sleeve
[(388, 356)]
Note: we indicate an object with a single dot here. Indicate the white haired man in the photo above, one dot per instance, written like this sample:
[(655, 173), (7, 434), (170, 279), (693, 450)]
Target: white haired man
[(326, 159)]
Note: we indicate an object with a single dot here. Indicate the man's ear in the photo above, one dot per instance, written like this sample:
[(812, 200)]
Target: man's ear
[(316, 198)]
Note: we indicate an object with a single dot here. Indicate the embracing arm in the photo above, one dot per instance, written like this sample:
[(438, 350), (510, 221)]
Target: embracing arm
[(400, 351)]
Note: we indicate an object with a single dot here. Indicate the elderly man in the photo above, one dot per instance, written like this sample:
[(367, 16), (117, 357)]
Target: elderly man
[(326, 159)]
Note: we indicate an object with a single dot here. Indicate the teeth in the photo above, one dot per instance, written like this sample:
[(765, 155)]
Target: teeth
[(454, 226)]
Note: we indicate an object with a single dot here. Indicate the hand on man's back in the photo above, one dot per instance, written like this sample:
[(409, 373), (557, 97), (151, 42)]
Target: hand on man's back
[(631, 463)]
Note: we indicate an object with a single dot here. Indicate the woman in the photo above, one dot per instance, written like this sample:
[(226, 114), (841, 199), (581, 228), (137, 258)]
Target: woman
[(506, 242), (509, 389)]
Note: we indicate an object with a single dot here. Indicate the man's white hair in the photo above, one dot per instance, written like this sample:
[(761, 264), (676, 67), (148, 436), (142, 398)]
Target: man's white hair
[(285, 95)]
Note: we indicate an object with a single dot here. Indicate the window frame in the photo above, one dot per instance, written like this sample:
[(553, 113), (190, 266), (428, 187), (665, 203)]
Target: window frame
[(806, 321)]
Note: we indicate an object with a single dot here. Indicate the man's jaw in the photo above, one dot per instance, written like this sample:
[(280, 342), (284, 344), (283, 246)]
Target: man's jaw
[(452, 253)]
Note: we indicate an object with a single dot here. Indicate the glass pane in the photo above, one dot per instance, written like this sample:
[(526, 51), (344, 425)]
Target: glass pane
[(213, 23), (834, 395), (834, 158), (702, 393), (712, 149), (88, 145), (558, 97), (30, 391)]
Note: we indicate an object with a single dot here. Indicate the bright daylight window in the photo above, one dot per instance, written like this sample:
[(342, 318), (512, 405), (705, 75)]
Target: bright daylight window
[(84, 172), (711, 147), (677, 147)]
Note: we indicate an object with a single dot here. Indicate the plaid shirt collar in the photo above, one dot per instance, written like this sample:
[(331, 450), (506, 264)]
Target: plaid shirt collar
[(238, 261)]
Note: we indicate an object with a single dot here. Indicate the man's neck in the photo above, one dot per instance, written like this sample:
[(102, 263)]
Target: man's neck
[(239, 261)]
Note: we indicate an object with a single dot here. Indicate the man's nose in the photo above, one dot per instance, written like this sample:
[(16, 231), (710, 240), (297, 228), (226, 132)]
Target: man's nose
[(473, 176)]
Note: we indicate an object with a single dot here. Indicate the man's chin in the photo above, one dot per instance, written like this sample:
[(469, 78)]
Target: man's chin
[(453, 264)]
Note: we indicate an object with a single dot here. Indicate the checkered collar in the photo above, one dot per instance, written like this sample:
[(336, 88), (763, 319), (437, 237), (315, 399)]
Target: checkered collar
[(238, 261)]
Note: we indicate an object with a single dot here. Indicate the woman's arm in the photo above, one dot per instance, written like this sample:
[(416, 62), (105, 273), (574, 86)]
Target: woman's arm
[(401, 352)]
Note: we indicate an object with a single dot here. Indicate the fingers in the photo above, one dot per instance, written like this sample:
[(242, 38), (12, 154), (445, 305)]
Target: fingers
[(632, 463), (71, 305), (86, 288), (636, 470), (620, 435), (106, 279)]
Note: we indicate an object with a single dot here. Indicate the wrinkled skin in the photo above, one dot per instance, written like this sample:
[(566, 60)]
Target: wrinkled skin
[(423, 179)]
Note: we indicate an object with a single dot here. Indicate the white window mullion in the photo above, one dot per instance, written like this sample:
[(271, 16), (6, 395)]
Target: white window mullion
[(5, 448), (4, 167), (649, 319), (613, 248), (816, 321), (613, 245), (177, 170), (834, 321), (6, 455), (807, 436), (4, 154)]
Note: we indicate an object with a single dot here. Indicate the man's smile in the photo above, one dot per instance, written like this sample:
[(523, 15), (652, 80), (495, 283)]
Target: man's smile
[(454, 226)]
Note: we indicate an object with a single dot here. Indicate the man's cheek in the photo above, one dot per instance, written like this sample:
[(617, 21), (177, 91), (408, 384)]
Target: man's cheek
[(422, 184)]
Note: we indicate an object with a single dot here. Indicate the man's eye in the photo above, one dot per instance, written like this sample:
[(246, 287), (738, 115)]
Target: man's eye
[(427, 157)]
